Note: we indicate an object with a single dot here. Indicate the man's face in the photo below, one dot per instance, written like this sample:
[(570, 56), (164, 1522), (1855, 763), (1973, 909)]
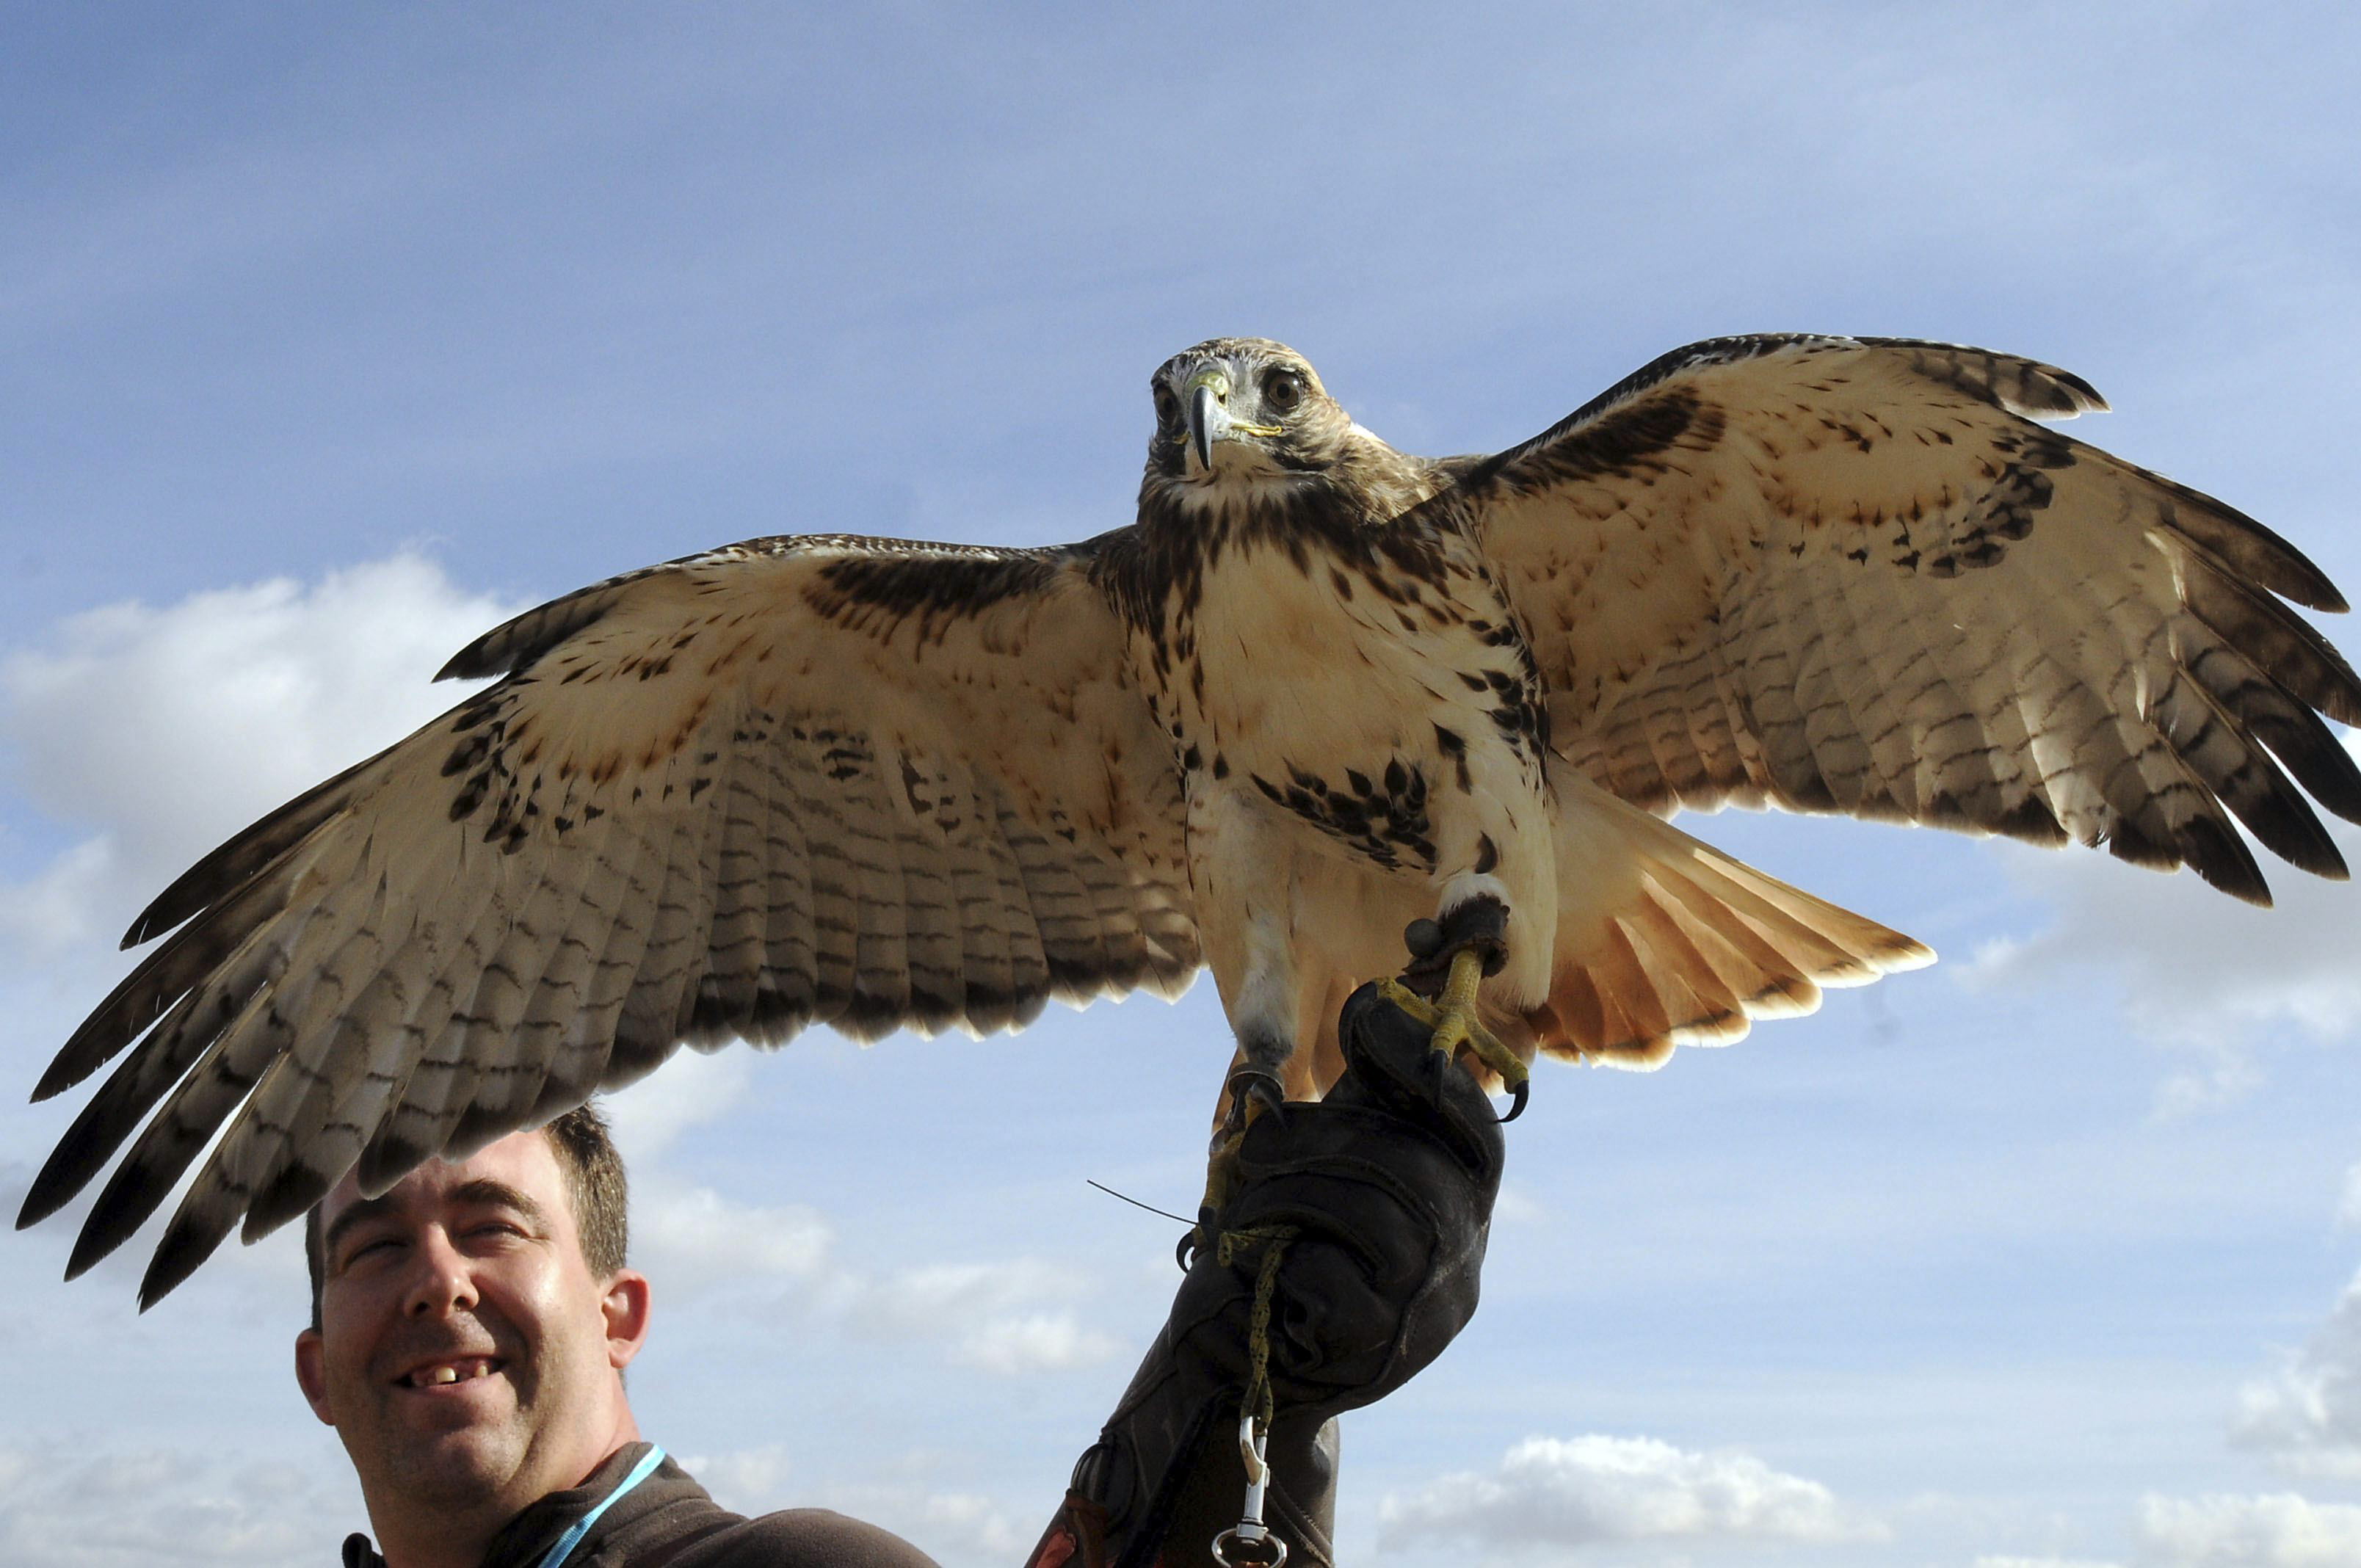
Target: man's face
[(466, 1355)]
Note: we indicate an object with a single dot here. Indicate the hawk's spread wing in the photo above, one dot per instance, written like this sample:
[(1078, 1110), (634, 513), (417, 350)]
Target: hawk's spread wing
[(855, 782), (1850, 574)]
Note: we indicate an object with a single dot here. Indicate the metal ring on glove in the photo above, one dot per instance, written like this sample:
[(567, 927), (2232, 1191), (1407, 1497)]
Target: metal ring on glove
[(1264, 1551)]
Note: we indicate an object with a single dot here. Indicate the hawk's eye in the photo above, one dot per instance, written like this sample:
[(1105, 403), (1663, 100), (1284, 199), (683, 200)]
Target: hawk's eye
[(1168, 406), (1281, 391)]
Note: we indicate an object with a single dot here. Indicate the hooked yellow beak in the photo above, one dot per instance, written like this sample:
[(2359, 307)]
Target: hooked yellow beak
[(1207, 399)]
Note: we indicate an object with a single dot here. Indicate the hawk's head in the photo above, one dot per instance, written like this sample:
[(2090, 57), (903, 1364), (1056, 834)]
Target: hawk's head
[(1241, 415)]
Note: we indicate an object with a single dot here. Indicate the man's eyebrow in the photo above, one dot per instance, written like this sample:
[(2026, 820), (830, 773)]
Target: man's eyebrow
[(357, 1213), (487, 1194), (483, 1192)]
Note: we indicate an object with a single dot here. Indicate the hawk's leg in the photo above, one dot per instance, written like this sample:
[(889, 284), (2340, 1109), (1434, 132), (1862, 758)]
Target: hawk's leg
[(1254, 1093), (1448, 962), (1251, 867)]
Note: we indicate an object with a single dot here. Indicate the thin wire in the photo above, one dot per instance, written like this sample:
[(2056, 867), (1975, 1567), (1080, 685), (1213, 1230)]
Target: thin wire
[(1136, 1203)]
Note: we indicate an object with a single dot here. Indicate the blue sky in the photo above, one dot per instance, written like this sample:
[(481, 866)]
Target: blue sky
[(329, 337)]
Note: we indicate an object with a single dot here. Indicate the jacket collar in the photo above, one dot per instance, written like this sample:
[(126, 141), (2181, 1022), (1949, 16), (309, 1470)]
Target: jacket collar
[(526, 1539)]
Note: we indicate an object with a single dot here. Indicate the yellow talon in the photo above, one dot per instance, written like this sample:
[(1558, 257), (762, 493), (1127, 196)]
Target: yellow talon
[(1455, 1024), (1409, 1001)]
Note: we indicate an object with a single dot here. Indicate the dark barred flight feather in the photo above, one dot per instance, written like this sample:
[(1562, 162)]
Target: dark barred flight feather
[(1317, 686)]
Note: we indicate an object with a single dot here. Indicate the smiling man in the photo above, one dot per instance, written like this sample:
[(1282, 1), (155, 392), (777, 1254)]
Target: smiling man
[(470, 1328), (469, 1334)]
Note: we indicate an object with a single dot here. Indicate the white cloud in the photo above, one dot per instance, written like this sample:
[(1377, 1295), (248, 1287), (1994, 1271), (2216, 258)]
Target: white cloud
[(691, 1089), (2199, 972), (1552, 1494), (957, 1526), (956, 1293), (2042, 1563), (2306, 1413), (750, 1481), (1007, 1317), (2274, 1530), (56, 909), (691, 1239), (1034, 1342), (115, 1507), (993, 1312), (974, 1522), (954, 1526), (162, 731), (2218, 1071)]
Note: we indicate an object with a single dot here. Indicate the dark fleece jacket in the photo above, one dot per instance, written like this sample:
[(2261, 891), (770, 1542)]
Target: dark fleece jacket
[(669, 1521)]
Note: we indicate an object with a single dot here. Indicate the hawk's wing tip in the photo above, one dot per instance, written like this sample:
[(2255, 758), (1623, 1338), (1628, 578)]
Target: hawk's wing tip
[(1910, 955)]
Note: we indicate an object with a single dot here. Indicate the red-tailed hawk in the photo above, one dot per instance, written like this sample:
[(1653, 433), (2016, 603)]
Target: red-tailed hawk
[(1319, 689)]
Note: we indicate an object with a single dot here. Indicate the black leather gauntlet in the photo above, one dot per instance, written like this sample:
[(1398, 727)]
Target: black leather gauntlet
[(1384, 1193)]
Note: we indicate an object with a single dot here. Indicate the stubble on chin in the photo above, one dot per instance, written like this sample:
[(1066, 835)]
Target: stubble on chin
[(459, 1470)]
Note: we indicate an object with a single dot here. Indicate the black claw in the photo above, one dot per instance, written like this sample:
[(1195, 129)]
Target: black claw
[(1253, 1083), (1422, 937), (1519, 1092), (1194, 1240)]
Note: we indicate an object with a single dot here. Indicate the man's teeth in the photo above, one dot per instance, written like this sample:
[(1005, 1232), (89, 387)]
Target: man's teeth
[(451, 1372)]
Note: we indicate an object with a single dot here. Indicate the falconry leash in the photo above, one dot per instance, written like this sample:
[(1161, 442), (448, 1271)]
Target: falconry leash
[(1250, 1543)]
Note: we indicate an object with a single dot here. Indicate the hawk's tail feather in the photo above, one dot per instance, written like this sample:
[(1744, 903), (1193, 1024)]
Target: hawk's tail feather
[(1664, 941)]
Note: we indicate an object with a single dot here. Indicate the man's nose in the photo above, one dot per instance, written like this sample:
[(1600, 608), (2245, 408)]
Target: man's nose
[(441, 1282)]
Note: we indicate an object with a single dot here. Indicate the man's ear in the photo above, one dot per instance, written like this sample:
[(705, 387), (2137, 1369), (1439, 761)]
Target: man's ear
[(625, 1305), (312, 1375)]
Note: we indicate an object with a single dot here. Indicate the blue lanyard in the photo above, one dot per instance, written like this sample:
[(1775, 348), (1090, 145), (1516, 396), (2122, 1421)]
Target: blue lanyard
[(573, 1538)]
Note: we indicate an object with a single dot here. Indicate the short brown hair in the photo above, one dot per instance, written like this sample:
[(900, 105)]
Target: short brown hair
[(596, 1188)]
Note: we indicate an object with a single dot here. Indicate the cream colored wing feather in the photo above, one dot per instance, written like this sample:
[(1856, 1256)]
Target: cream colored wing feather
[(830, 779), (1851, 575), (1662, 940)]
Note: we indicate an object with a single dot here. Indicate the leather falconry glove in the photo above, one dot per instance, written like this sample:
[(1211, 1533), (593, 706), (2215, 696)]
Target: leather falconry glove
[(1382, 1193)]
